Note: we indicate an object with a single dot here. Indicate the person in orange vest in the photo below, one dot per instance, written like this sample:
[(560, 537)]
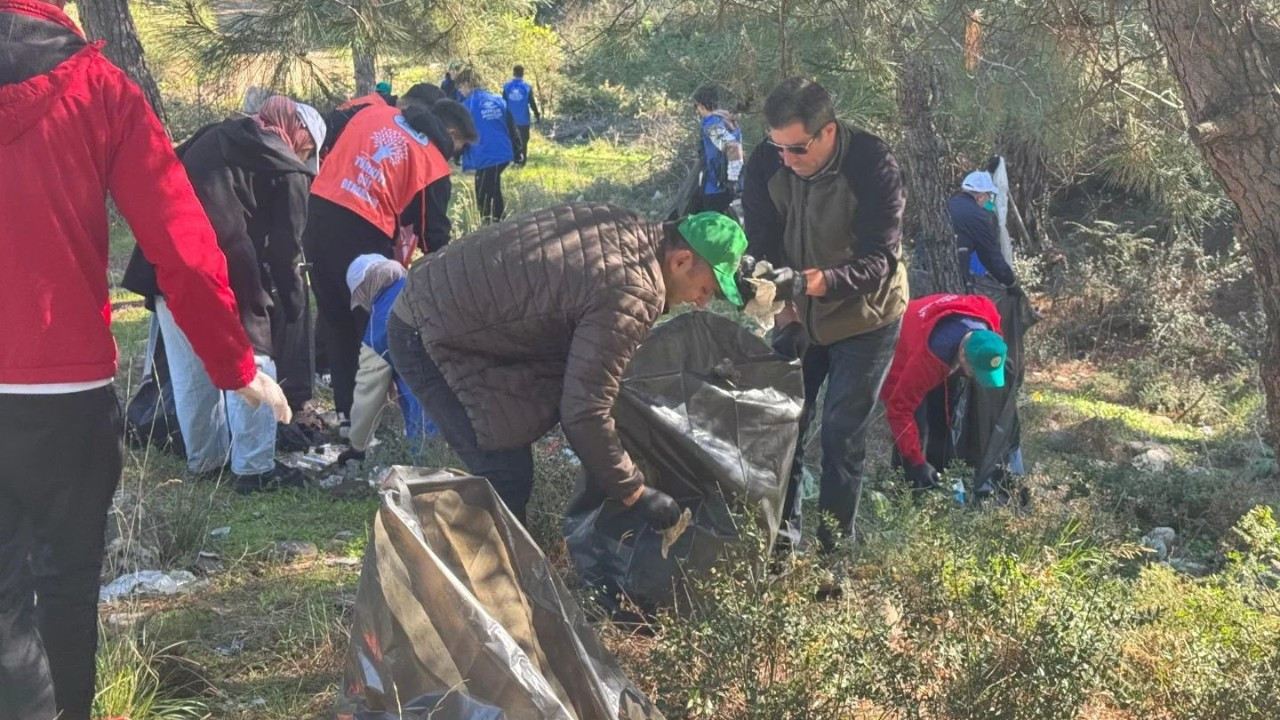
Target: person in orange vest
[(387, 178)]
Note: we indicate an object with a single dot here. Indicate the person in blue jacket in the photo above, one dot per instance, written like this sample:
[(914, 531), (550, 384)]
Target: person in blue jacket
[(491, 154), (720, 151), (375, 283), (520, 102), (977, 236)]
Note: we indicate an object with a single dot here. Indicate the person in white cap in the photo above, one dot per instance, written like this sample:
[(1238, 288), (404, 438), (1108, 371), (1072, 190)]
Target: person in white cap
[(375, 283), (976, 233)]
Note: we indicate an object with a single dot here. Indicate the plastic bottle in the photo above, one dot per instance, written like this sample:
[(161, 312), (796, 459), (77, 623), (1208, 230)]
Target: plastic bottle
[(957, 491)]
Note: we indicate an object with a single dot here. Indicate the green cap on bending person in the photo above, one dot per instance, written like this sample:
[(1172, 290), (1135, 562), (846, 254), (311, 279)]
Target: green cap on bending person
[(720, 241), (985, 352)]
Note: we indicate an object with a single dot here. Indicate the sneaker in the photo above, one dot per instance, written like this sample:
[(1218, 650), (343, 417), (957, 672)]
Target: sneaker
[(281, 476)]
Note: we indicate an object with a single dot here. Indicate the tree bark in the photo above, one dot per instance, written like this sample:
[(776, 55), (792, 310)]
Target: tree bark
[(110, 20), (1221, 54), (366, 69), (923, 151)]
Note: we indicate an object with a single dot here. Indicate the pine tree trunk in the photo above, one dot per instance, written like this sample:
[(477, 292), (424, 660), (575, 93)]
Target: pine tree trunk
[(922, 151), (366, 69), (111, 20), (1226, 56)]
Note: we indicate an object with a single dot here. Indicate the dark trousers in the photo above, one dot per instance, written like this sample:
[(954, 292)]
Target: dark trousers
[(933, 425), (334, 237), (510, 472), (62, 462), (854, 370), (522, 144), (489, 192)]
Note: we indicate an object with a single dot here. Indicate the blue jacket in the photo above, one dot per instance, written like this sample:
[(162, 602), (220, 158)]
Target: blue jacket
[(449, 89), (975, 229), (493, 124), (416, 422), (519, 97), (716, 130)]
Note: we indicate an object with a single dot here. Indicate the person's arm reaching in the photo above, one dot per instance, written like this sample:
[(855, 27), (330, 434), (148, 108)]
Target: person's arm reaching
[(153, 193), (438, 228), (873, 172), (603, 343), (981, 229), (900, 404)]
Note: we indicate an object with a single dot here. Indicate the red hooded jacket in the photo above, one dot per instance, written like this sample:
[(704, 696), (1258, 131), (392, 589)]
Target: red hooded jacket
[(915, 371), (73, 128)]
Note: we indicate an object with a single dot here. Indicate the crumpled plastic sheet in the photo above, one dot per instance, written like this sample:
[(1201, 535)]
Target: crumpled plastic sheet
[(149, 582), (710, 414), (460, 615)]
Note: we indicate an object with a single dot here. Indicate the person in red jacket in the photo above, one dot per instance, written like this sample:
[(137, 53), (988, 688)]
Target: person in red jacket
[(73, 127), (941, 335)]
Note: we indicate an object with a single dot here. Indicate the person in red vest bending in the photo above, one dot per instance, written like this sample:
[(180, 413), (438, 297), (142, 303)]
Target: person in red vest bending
[(941, 335), (386, 180)]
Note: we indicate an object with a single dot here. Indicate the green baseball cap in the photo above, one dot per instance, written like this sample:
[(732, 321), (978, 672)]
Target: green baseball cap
[(720, 241), (985, 352)]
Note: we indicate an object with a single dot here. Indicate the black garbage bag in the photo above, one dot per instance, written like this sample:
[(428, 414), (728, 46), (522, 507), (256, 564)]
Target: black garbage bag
[(710, 415), (985, 424), (151, 415), (460, 615)]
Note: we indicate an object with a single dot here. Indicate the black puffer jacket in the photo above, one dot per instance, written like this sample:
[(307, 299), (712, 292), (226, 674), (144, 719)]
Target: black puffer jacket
[(254, 190)]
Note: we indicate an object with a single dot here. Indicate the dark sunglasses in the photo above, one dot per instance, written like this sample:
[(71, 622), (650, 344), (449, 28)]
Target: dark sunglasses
[(795, 149)]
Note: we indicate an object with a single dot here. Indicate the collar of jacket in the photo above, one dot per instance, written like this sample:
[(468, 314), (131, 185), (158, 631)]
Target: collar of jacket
[(837, 158), (41, 10)]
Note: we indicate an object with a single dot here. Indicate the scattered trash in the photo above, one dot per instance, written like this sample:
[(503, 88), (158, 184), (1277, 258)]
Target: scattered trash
[(459, 609), (220, 533), (1151, 457), (148, 582), (331, 482), (291, 550), (344, 535), (342, 561), (1159, 540), (1189, 567), (231, 649), (320, 457), (208, 563), (130, 554)]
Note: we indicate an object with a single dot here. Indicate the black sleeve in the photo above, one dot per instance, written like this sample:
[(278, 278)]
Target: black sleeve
[(533, 106), (335, 122), (284, 243), (762, 221), (435, 215), (874, 175), (980, 231)]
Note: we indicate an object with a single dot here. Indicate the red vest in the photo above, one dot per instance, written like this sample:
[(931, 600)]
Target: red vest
[(915, 371), (378, 165), (372, 98)]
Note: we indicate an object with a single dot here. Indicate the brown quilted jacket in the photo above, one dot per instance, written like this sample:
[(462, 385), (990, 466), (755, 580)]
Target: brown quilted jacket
[(534, 320)]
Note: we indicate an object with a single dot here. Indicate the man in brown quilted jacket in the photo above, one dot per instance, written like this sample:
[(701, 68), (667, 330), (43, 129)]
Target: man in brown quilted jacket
[(533, 321)]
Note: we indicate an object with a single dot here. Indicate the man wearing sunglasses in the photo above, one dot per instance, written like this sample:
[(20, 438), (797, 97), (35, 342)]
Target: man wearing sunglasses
[(823, 202)]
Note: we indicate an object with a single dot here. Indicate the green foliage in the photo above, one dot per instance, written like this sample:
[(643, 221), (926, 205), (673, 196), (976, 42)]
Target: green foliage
[(129, 685)]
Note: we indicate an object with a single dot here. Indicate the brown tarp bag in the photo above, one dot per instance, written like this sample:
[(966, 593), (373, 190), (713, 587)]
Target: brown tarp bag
[(459, 615)]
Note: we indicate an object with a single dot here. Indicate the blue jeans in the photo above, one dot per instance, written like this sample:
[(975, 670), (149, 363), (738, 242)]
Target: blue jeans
[(215, 423), (854, 369)]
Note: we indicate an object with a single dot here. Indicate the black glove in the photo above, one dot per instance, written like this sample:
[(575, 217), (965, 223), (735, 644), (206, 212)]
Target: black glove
[(923, 477), (791, 341), (791, 284), (1014, 290), (658, 509), (350, 454)]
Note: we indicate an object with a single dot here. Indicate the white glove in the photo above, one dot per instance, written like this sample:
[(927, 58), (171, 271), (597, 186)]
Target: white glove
[(264, 390)]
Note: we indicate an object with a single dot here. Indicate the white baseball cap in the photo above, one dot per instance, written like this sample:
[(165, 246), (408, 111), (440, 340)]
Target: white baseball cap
[(357, 270), (314, 123), (980, 182)]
